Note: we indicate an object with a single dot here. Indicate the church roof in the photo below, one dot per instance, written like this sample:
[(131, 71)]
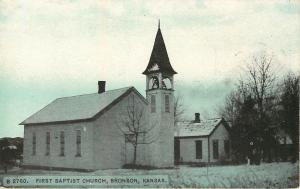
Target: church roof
[(159, 60), (78, 108), (204, 128)]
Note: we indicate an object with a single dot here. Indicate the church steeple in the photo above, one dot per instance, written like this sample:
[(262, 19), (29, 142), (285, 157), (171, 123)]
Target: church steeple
[(159, 60), (160, 96)]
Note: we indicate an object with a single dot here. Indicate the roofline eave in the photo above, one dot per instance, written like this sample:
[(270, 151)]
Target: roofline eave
[(58, 122), (95, 116), (146, 72), (194, 136)]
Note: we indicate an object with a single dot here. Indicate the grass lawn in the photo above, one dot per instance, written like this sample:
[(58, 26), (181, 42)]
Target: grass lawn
[(278, 175)]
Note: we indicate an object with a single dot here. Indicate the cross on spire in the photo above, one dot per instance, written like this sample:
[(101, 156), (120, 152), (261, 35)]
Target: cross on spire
[(158, 23)]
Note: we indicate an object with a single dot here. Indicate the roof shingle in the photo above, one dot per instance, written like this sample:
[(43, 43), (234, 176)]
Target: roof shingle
[(75, 107), (204, 128)]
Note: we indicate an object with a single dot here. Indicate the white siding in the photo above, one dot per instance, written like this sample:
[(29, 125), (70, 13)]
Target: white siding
[(161, 151), (110, 141), (188, 146), (102, 143), (188, 150), (54, 159), (219, 134)]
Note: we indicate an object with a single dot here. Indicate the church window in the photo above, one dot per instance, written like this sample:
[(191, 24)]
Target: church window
[(33, 143), (47, 143), (167, 103), (129, 138), (78, 143), (199, 149), (215, 149), (153, 104), (62, 143)]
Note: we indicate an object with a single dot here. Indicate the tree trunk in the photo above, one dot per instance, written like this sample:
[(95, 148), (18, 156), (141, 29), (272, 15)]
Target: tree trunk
[(134, 155)]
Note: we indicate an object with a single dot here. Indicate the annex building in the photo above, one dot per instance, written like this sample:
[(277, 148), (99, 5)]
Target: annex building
[(202, 141), (109, 129)]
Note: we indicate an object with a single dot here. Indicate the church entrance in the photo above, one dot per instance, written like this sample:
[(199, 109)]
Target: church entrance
[(176, 151), (129, 153)]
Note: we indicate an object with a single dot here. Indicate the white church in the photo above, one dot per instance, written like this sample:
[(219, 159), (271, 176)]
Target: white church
[(110, 129)]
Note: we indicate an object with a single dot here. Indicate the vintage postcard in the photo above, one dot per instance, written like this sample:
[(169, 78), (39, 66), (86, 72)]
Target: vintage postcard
[(146, 94)]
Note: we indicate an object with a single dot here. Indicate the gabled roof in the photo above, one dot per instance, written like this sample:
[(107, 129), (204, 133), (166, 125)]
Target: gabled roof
[(159, 60), (78, 108), (202, 129)]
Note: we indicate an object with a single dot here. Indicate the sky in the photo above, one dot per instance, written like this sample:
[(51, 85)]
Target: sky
[(56, 48)]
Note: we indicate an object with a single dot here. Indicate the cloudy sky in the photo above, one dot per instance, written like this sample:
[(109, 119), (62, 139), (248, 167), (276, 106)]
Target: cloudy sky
[(56, 48)]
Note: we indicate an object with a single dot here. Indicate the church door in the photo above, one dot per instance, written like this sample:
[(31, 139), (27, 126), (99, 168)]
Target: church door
[(129, 153), (176, 151)]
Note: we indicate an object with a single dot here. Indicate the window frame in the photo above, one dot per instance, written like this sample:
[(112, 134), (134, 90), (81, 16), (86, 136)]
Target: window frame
[(48, 141), (78, 143), (33, 143), (199, 153), (153, 103), (62, 143), (129, 138), (167, 103)]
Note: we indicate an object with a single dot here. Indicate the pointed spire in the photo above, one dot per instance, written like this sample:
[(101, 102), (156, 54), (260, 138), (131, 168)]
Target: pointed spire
[(159, 59)]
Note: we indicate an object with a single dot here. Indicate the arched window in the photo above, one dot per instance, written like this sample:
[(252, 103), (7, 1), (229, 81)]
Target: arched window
[(166, 83), (154, 83)]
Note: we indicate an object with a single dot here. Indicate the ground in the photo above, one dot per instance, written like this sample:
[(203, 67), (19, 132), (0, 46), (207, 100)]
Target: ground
[(265, 175)]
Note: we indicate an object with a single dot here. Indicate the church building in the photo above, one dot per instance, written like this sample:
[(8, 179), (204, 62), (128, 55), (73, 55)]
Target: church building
[(108, 129)]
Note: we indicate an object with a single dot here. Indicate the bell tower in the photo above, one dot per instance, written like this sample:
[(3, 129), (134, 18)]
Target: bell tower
[(160, 95)]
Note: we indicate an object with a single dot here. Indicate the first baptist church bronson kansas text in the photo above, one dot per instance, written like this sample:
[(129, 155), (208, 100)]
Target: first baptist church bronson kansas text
[(86, 132)]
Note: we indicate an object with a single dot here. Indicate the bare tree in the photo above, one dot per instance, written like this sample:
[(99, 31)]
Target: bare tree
[(134, 126), (261, 79), (234, 102), (261, 74), (249, 107), (229, 110), (178, 108)]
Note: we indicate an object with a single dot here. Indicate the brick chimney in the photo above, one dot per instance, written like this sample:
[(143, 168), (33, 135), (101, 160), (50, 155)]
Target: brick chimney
[(101, 87), (197, 118)]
